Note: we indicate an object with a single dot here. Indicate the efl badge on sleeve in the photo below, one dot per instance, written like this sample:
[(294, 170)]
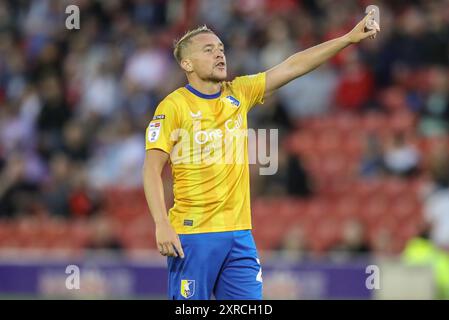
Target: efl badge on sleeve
[(153, 132)]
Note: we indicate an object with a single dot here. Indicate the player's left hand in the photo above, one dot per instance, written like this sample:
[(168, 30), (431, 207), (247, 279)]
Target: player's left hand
[(358, 33)]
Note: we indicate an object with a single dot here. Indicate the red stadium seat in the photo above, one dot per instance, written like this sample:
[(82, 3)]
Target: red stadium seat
[(373, 122), (402, 120), (347, 207)]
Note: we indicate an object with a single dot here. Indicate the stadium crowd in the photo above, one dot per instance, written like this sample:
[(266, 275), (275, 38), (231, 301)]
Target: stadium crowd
[(74, 104)]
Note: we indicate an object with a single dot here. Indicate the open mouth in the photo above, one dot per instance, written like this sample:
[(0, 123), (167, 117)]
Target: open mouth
[(220, 64)]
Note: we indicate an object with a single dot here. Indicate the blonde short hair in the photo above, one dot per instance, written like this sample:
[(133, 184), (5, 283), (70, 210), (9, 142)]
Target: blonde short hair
[(180, 45)]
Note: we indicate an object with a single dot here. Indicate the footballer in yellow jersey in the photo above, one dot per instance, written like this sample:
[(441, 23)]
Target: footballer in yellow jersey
[(200, 129), (210, 196)]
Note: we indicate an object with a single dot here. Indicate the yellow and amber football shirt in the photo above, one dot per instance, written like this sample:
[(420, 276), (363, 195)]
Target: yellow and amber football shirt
[(206, 138)]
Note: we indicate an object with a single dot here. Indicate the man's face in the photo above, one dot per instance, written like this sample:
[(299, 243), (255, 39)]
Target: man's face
[(205, 54)]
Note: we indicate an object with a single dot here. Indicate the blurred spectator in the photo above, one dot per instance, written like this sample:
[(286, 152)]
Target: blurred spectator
[(84, 201), (400, 157), (310, 95), (13, 130), (52, 117), (435, 115), (382, 243), (293, 245), (147, 67), (75, 144), (298, 179), (393, 98), (353, 243), (436, 203), (437, 33), (119, 159), (17, 193), (436, 213), (291, 178), (409, 39), (215, 13), (57, 189), (372, 164), (355, 86), (438, 164), (103, 235), (101, 96), (243, 56), (48, 63), (421, 251), (279, 44)]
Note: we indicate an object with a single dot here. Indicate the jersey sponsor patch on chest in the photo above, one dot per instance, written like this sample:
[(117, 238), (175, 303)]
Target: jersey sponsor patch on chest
[(154, 131)]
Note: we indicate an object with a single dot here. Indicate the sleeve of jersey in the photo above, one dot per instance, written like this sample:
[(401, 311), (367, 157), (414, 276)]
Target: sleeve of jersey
[(160, 133), (252, 88)]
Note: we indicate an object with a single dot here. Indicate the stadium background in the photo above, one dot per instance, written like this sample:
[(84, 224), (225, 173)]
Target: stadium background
[(363, 160)]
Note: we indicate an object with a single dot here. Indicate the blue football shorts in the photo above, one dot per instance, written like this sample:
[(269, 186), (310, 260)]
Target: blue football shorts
[(220, 264)]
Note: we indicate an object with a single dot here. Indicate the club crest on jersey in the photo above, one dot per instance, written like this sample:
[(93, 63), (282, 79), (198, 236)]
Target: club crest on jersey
[(233, 101), (187, 288)]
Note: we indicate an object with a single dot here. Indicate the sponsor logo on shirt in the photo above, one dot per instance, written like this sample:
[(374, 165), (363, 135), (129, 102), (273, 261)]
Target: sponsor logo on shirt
[(232, 124)]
